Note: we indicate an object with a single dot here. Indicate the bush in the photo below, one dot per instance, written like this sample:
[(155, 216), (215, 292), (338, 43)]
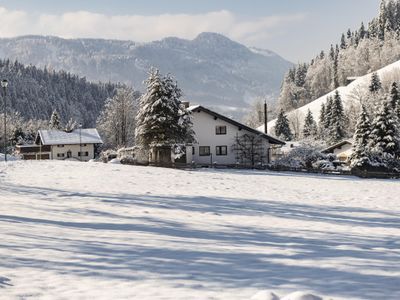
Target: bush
[(305, 157)]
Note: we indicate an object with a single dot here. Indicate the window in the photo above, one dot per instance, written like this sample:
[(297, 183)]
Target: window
[(60, 154), (84, 145), (83, 153), (220, 130), (60, 146), (221, 150), (204, 150), (193, 151)]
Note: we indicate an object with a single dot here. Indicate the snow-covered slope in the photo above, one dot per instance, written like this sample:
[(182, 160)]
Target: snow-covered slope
[(346, 93), (211, 69), (71, 230)]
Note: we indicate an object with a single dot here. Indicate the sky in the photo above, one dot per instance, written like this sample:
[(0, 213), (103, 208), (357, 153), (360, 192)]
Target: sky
[(295, 29)]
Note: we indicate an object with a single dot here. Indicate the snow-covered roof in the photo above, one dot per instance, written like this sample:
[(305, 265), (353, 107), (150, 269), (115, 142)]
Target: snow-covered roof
[(77, 136), (340, 144)]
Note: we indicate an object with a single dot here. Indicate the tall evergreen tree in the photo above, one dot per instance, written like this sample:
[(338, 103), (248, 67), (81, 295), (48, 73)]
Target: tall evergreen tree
[(361, 153), (54, 122), (162, 121), (385, 134), (282, 127), (375, 84), (337, 129), (394, 96), (310, 128), (343, 42)]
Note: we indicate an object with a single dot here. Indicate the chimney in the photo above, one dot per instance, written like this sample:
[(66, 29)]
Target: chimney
[(186, 104), (265, 117)]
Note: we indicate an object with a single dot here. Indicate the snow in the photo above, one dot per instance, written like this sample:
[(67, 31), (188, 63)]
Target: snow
[(57, 137), (345, 93), (70, 230)]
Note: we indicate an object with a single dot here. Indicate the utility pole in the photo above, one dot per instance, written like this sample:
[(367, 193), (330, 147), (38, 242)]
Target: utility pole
[(4, 84), (265, 117)]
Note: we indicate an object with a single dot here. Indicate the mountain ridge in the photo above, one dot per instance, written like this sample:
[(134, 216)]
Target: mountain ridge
[(211, 69)]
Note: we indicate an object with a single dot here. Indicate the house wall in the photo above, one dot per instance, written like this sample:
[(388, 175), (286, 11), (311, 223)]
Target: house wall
[(204, 126), (343, 152), (74, 151)]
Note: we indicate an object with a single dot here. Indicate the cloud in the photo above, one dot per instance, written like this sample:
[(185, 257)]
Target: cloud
[(84, 24)]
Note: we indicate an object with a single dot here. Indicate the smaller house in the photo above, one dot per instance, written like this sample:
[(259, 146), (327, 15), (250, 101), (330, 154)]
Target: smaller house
[(78, 144), (342, 150)]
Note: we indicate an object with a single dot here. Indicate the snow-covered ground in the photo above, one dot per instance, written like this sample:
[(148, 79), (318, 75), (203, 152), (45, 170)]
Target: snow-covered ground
[(71, 230)]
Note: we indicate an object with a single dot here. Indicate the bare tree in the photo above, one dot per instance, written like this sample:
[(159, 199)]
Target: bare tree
[(250, 149)]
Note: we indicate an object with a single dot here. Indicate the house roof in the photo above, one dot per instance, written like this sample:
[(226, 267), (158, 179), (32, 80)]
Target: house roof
[(271, 139), (331, 148), (75, 137)]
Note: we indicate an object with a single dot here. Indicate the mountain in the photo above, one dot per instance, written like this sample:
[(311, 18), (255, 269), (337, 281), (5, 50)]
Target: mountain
[(211, 69)]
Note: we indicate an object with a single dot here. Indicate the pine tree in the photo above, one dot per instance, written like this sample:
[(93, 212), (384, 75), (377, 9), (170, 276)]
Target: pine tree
[(310, 128), (394, 97), (361, 153), (362, 33), (282, 127), (385, 134), (375, 84), (321, 121), (54, 122), (343, 42), (328, 112), (382, 20), (162, 121), (336, 129)]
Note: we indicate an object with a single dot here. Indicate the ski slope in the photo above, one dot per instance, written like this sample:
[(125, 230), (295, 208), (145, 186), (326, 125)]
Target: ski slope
[(345, 93), (71, 230)]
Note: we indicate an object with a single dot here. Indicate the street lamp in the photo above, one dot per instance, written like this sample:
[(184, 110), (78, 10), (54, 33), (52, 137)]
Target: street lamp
[(4, 84)]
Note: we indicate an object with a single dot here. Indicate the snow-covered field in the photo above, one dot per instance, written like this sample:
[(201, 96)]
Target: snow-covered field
[(71, 230)]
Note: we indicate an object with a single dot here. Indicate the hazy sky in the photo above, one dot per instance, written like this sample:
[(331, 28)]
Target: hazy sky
[(295, 29)]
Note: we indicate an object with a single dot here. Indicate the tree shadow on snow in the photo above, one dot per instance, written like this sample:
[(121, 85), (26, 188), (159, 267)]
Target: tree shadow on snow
[(275, 259)]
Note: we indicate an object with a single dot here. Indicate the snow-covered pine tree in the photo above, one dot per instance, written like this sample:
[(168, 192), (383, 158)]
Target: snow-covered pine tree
[(321, 122), (361, 154), (55, 122), (162, 121), (310, 129), (343, 41), (385, 134), (336, 129), (375, 84), (328, 112), (395, 98), (282, 127)]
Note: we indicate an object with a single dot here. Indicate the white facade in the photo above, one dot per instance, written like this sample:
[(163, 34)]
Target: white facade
[(218, 134), (62, 152), (343, 152)]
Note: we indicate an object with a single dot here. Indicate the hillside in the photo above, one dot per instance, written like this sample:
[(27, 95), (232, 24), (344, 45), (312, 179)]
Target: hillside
[(348, 94), (211, 69), (35, 93), (103, 231)]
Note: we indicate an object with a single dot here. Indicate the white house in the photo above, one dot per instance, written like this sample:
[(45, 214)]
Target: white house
[(221, 140), (342, 150), (78, 144)]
